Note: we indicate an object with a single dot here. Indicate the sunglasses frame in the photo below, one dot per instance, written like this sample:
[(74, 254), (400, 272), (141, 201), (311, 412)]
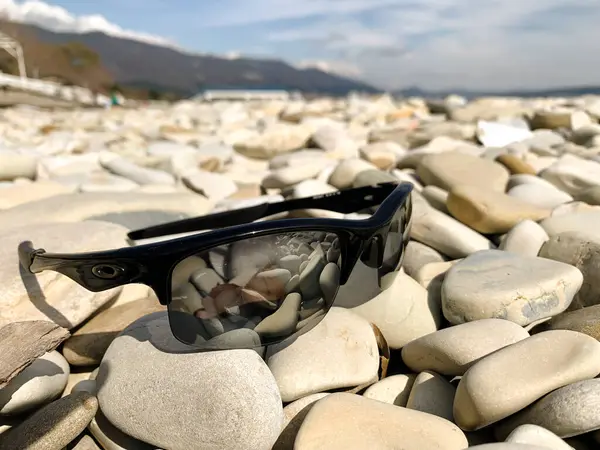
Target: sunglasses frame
[(153, 264)]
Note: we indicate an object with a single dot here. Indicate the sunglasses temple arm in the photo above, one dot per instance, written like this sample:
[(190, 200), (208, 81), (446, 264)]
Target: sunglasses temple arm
[(76, 266), (27, 255), (347, 201), (36, 260)]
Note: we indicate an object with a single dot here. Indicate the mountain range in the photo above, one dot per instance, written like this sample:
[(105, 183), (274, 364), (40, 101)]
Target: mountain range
[(138, 69), (102, 61)]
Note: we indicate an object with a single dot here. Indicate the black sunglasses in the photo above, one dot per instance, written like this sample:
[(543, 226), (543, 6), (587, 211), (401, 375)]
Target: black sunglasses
[(247, 285)]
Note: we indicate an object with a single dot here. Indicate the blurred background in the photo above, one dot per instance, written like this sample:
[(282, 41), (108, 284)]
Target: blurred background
[(169, 50)]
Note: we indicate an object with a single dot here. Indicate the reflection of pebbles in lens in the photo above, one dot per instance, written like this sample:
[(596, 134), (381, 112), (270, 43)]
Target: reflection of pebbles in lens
[(291, 263), (303, 265), (271, 284), (309, 277), (329, 281), (205, 280), (297, 246), (187, 298), (292, 285), (218, 259), (310, 322), (276, 285), (333, 254), (185, 268), (250, 254), (283, 322), (214, 326), (311, 307)]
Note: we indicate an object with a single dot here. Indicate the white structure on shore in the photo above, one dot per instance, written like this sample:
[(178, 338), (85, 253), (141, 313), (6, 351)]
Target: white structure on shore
[(14, 49), (246, 95), (49, 88)]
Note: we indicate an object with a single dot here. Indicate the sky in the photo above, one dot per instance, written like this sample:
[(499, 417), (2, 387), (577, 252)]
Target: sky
[(433, 44)]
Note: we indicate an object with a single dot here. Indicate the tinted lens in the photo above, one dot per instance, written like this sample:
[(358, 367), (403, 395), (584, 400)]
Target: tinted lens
[(256, 291), (397, 239)]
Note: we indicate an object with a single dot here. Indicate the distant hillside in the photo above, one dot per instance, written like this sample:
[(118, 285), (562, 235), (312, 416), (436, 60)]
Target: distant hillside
[(153, 68), (554, 92)]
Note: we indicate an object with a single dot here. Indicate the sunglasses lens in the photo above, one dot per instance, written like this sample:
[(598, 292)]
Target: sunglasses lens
[(397, 240), (255, 292), (368, 278)]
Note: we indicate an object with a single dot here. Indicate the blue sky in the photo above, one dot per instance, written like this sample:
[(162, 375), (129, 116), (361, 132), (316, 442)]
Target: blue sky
[(479, 44)]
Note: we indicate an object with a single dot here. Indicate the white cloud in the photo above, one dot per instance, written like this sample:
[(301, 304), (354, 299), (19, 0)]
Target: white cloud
[(245, 12), (439, 44), (343, 68), (58, 19), (497, 44), (337, 34)]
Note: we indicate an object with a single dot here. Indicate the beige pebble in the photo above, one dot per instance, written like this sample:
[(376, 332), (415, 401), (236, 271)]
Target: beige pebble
[(394, 389), (293, 415), (449, 169), (489, 212), (436, 197), (573, 174), (515, 164), (514, 377), (585, 320), (417, 255), (525, 238), (86, 443), (87, 345), (536, 435), (75, 378), (55, 425), (402, 312), (429, 272), (569, 411), (431, 393), (496, 284), (346, 171), (574, 208), (340, 352), (507, 446), (583, 252), (351, 422), (453, 350), (580, 219), (445, 234)]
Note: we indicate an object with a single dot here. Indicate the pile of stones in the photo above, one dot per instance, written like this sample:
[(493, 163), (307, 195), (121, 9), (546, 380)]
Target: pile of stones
[(486, 338)]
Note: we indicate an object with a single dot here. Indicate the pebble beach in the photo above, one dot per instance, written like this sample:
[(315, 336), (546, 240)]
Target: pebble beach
[(486, 337)]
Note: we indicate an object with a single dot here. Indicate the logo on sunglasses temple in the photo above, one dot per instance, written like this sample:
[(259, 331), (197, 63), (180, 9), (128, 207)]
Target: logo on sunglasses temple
[(107, 271)]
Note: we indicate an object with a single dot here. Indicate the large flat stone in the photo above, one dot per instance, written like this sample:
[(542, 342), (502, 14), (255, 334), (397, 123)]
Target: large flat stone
[(514, 377), (496, 284), (351, 422), (450, 169), (184, 398)]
